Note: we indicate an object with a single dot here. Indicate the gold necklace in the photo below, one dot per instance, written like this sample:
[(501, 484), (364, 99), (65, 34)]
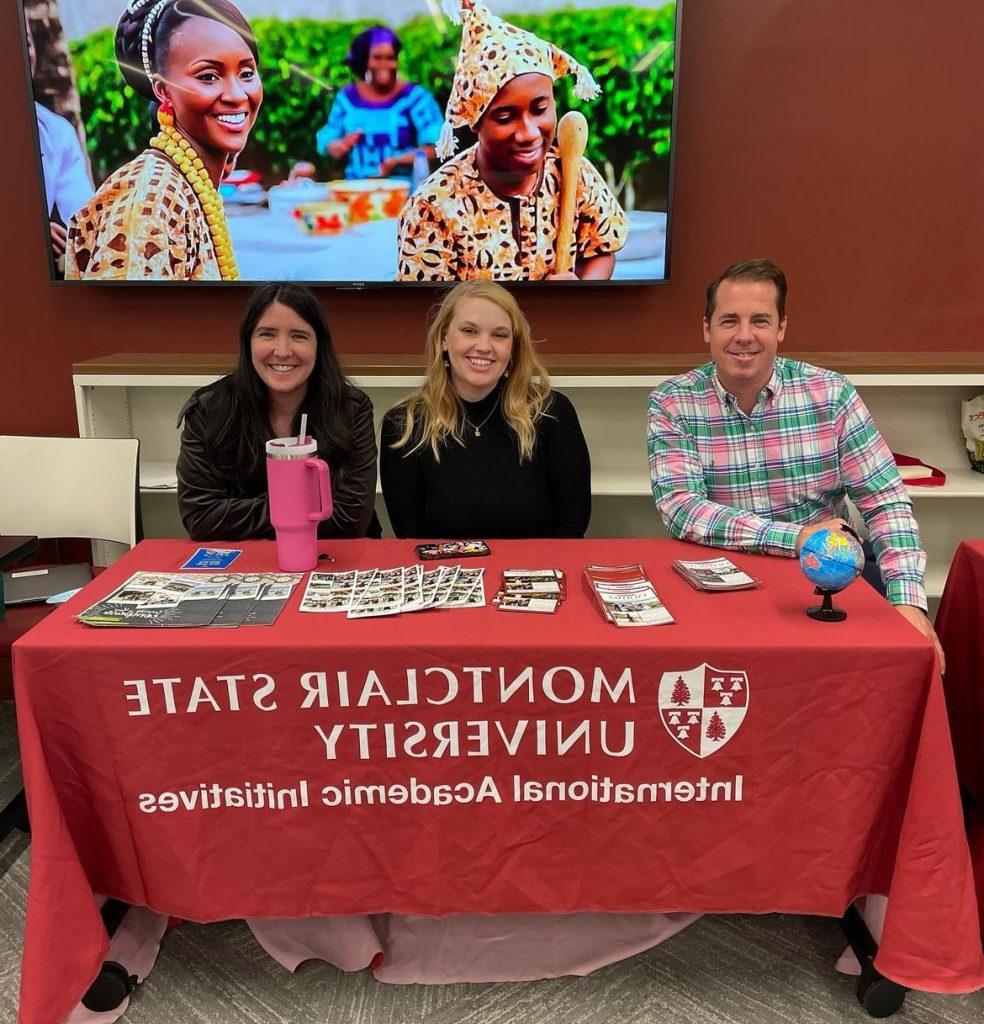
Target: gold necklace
[(180, 152)]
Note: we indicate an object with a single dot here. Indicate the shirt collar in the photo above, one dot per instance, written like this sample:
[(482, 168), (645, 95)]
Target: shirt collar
[(771, 391), (468, 168)]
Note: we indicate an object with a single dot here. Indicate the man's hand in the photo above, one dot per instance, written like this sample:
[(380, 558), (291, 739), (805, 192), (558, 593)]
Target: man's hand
[(919, 619), (59, 239), (809, 531)]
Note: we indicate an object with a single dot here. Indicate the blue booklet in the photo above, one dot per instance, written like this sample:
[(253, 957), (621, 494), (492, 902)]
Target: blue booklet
[(212, 558)]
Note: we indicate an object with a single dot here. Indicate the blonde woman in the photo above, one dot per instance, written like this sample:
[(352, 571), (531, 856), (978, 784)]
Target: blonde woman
[(484, 448)]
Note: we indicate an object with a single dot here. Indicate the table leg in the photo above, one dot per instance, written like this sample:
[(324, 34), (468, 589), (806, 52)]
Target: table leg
[(877, 994), (113, 983)]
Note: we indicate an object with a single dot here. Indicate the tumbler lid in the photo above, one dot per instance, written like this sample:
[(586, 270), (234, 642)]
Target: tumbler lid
[(288, 448)]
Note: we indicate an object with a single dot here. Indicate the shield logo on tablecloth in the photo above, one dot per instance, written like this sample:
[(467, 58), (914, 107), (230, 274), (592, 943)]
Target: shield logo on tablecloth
[(702, 708)]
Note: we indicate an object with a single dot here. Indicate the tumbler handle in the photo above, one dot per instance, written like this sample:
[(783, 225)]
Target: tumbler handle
[(324, 489)]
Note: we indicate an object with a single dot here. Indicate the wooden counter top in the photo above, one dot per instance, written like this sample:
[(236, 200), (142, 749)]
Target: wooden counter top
[(643, 365)]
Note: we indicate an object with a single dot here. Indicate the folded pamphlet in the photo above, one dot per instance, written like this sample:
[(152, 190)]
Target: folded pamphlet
[(531, 590), (188, 599), (715, 574), (626, 596)]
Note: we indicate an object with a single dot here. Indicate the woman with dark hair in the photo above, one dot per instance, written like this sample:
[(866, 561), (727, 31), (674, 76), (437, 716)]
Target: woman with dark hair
[(379, 122), (159, 217), (287, 366)]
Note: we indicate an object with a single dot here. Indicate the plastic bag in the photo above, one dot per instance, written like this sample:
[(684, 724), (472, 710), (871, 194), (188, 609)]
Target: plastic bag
[(972, 417)]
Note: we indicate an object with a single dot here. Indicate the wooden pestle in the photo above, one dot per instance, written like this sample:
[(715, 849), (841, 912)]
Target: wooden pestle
[(572, 137)]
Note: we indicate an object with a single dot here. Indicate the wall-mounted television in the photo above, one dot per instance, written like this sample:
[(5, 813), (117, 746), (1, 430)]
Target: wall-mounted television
[(354, 142)]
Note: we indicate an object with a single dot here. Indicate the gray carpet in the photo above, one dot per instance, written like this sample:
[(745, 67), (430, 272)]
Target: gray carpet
[(733, 970)]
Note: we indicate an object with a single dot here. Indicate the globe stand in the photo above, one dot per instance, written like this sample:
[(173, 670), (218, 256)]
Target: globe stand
[(826, 612)]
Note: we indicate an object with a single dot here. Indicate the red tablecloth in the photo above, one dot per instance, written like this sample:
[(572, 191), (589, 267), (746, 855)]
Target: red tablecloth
[(960, 626), (827, 771)]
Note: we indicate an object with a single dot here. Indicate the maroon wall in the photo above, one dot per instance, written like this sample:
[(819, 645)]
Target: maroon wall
[(840, 138)]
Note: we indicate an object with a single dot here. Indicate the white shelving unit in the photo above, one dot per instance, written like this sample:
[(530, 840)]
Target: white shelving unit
[(916, 404)]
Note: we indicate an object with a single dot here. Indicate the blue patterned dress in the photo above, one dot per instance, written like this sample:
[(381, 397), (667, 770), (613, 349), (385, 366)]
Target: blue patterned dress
[(408, 119)]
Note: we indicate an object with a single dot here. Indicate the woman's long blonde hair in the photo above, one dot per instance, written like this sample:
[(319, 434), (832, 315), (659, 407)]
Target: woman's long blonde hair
[(434, 413)]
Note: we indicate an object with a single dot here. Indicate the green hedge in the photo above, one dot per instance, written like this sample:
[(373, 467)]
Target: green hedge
[(630, 121)]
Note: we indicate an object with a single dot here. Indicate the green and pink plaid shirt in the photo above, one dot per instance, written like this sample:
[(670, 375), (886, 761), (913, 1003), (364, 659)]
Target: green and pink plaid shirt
[(751, 482)]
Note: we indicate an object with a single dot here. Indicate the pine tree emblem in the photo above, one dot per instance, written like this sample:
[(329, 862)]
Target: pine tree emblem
[(715, 728), (681, 692)]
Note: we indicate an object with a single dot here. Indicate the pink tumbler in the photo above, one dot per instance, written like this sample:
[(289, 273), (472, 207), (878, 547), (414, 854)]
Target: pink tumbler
[(300, 497)]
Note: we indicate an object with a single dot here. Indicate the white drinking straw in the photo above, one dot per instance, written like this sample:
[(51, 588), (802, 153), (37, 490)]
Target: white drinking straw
[(303, 434)]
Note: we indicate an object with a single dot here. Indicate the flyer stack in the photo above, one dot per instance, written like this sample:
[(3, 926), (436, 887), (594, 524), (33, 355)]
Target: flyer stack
[(370, 593), (155, 599), (625, 595), (715, 574), (531, 590)]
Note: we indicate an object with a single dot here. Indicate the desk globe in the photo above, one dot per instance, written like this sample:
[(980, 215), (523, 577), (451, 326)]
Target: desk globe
[(831, 560)]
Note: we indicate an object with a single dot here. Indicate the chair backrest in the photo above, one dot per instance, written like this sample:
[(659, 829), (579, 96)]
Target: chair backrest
[(70, 487)]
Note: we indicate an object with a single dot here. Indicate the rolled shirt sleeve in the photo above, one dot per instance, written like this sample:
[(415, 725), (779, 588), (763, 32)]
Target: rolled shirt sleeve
[(872, 481)]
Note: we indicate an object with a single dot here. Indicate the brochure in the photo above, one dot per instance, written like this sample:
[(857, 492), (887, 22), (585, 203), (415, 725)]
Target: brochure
[(241, 598), (525, 603), (531, 590), (272, 598), (152, 599), (625, 595), (162, 599), (715, 574)]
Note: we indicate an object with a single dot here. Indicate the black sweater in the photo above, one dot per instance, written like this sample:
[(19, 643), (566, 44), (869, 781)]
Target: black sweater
[(217, 506), (481, 489)]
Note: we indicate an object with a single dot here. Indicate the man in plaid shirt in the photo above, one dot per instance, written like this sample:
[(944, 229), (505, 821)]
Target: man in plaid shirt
[(755, 453)]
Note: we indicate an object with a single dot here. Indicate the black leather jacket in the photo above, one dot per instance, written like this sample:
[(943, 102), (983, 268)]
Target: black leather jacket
[(214, 506)]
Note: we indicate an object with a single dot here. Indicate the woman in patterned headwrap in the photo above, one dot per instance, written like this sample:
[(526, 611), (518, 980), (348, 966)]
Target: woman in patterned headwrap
[(159, 217), (492, 211)]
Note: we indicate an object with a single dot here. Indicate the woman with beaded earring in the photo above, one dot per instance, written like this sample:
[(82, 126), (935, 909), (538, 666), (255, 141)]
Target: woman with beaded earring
[(159, 217), (485, 448)]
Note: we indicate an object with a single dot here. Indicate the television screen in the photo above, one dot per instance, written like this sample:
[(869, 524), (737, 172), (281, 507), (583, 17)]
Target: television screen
[(354, 142)]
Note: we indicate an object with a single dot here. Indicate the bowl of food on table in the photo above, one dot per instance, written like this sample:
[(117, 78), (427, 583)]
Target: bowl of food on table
[(326, 218), (370, 198)]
